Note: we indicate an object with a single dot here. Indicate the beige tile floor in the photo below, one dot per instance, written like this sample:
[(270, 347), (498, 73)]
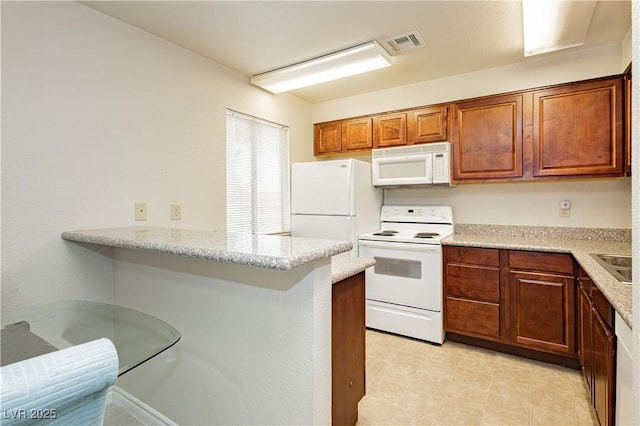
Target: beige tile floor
[(410, 382)]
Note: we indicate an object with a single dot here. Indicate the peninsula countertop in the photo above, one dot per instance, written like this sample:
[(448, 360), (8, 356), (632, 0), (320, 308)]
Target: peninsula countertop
[(264, 251), (343, 267), (618, 294)]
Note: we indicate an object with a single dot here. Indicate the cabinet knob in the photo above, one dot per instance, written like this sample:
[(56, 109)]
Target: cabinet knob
[(350, 384)]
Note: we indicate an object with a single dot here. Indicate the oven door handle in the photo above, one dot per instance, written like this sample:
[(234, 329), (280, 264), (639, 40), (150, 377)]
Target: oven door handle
[(401, 246)]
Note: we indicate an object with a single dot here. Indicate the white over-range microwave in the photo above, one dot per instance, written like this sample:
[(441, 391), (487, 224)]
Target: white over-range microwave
[(426, 164)]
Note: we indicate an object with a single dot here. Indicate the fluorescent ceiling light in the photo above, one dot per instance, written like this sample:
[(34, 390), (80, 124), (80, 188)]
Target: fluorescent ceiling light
[(355, 60), (555, 24)]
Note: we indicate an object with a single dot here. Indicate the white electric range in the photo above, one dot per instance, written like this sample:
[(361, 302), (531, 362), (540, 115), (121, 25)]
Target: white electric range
[(404, 287)]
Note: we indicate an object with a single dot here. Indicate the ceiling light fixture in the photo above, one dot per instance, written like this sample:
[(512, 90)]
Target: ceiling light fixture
[(551, 25), (355, 60)]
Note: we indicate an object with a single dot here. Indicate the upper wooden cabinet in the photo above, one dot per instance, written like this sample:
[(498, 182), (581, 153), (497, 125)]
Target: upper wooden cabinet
[(487, 138), (428, 125), (337, 137), (416, 126), (356, 134), (327, 138), (389, 130), (578, 129)]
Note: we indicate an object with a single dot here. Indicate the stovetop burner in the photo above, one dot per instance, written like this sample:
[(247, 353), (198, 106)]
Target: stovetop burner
[(388, 233), (426, 235)]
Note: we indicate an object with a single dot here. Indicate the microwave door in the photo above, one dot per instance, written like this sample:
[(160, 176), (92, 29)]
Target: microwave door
[(403, 170)]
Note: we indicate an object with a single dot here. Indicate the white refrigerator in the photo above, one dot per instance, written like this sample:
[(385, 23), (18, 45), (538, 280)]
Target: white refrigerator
[(334, 200)]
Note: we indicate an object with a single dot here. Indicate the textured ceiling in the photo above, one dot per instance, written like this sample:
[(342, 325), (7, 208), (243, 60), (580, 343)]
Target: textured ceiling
[(254, 37)]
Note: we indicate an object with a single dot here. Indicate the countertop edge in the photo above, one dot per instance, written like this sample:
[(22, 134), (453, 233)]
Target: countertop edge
[(618, 294), (343, 267), (317, 249)]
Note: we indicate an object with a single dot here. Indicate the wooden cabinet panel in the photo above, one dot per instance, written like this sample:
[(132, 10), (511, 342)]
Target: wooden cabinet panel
[(603, 306), (473, 317), (627, 122), (536, 261), (603, 369), (543, 311), (472, 292), (356, 134), (577, 129), (584, 334), (597, 348), (474, 282), (428, 125), (327, 138), (472, 255), (347, 348), (390, 130), (487, 138)]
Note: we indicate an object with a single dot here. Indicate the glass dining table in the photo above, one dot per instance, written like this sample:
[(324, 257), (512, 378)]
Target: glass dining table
[(34, 331)]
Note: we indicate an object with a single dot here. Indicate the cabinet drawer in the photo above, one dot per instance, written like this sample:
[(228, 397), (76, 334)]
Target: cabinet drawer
[(548, 262), (475, 256), (474, 282), (472, 317), (602, 305)]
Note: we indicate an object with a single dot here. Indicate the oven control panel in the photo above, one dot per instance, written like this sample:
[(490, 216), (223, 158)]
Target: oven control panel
[(426, 214)]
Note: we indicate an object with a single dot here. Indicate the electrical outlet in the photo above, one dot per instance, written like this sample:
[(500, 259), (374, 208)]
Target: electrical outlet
[(176, 212), (565, 208), (141, 211)]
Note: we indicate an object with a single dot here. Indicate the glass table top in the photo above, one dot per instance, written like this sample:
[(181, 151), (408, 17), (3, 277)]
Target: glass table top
[(45, 328)]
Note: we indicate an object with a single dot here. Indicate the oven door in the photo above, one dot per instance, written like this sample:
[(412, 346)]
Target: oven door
[(404, 274)]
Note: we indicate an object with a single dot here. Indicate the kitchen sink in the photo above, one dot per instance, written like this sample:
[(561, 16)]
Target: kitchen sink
[(616, 264)]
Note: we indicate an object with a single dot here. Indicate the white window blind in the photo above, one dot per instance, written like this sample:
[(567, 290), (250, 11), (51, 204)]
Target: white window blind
[(257, 175)]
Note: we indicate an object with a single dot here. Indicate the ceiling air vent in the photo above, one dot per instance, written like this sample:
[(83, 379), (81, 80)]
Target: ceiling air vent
[(403, 42)]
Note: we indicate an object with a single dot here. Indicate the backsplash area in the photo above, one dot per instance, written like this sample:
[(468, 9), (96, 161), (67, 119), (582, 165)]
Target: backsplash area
[(561, 233)]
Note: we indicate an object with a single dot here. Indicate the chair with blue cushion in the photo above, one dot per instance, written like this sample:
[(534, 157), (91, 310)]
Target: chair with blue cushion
[(65, 387)]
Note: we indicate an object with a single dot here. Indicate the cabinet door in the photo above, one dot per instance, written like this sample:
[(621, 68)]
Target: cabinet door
[(390, 130), (347, 349), (357, 134), (577, 129), (584, 335), (487, 139), (543, 312), (327, 138), (428, 125), (627, 122), (603, 369)]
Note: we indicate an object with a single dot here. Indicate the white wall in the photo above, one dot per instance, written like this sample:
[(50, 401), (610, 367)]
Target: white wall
[(96, 116), (533, 72), (596, 203), (255, 346), (602, 203)]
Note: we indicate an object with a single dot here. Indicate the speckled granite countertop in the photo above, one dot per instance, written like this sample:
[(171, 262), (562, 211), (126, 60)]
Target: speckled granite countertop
[(264, 251), (617, 293), (344, 267)]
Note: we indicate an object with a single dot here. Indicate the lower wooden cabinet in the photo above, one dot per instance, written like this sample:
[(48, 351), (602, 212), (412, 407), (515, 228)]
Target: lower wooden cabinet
[(347, 349), (533, 304), (518, 299), (597, 344), (542, 301), (472, 292)]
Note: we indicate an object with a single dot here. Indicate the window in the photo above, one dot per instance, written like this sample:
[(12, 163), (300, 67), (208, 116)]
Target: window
[(257, 175)]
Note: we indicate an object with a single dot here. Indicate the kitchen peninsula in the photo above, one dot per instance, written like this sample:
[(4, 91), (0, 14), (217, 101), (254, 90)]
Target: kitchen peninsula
[(254, 312)]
